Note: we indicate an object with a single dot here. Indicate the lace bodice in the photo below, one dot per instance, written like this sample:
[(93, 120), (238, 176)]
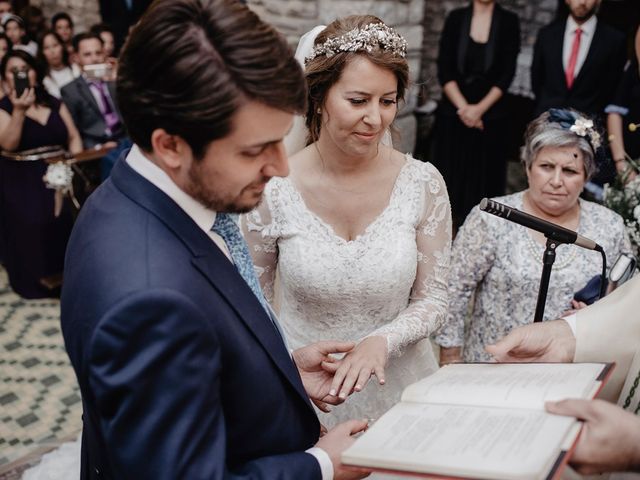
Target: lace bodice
[(390, 281), (501, 264)]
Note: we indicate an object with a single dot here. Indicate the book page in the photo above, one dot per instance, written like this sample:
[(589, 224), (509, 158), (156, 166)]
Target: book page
[(517, 385), (463, 441)]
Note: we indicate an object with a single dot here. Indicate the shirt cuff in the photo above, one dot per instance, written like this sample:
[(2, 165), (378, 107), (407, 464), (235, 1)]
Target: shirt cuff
[(571, 321), (619, 109), (326, 466)]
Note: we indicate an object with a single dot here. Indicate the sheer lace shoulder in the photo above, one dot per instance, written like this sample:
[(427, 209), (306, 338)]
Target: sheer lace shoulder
[(425, 194)]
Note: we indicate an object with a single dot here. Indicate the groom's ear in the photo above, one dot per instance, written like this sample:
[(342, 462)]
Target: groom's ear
[(171, 152)]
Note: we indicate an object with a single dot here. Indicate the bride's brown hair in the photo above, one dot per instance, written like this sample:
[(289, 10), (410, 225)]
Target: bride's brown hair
[(323, 72)]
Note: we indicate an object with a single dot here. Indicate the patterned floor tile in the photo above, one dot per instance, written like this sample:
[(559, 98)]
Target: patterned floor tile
[(40, 402)]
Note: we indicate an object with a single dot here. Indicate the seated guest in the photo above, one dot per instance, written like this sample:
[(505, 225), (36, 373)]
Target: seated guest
[(105, 32), (14, 28), (91, 100), (624, 111), (62, 24), (34, 238), (54, 58), (501, 262)]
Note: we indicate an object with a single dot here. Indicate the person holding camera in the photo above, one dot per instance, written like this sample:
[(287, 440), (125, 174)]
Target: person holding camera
[(91, 100), (33, 237)]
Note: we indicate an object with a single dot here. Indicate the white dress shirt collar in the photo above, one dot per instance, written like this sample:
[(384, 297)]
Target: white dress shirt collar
[(201, 215), (588, 31), (588, 28)]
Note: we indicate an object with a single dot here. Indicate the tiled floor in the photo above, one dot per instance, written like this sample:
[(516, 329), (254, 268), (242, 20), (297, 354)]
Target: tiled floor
[(40, 401)]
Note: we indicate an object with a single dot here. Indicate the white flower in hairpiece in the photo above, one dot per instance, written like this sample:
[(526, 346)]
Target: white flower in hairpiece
[(371, 36), (583, 127)]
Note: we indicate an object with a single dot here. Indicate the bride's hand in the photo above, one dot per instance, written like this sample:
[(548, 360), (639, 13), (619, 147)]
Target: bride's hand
[(352, 373)]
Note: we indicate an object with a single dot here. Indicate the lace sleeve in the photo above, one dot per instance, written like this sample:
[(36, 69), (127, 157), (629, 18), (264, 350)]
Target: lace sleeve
[(471, 258), (262, 238), (428, 302)]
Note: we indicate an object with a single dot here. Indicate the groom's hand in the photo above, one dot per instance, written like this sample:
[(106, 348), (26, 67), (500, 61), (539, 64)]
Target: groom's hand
[(336, 441), (316, 379)]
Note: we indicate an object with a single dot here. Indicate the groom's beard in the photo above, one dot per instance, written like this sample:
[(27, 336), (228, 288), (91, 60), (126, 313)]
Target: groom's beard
[(213, 197)]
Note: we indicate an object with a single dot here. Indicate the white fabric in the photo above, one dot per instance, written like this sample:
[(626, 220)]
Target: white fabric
[(62, 463), (588, 29), (389, 281), (59, 78), (571, 321), (201, 215), (326, 466)]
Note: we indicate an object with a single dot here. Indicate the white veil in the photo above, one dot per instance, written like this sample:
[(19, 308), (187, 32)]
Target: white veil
[(296, 139)]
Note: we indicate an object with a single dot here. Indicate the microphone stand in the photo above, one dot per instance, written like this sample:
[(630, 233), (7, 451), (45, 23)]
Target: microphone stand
[(548, 257)]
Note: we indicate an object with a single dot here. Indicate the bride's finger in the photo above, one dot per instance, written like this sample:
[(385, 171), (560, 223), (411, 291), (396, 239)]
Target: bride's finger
[(338, 378), (349, 382), (363, 378), (378, 371)]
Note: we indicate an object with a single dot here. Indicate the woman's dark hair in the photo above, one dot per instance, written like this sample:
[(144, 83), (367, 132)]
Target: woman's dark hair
[(20, 22), (189, 65), (99, 28), (42, 96), (78, 38), (61, 16), (42, 59), (323, 72), (3, 36)]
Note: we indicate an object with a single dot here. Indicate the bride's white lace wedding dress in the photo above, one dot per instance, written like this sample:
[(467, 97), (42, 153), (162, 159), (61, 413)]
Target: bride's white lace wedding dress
[(391, 280)]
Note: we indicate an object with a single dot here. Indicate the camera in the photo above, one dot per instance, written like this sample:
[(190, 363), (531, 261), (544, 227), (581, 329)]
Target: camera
[(97, 71), (21, 82)]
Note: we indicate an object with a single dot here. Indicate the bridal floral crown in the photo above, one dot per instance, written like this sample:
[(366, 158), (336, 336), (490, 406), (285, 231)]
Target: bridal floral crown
[(367, 38), (581, 126)]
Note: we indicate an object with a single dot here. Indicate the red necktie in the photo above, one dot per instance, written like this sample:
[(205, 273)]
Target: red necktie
[(573, 59)]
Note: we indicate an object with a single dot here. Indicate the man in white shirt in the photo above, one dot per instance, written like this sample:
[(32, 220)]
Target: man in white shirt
[(181, 364)]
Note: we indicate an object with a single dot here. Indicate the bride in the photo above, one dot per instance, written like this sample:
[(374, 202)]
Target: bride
[(359, 232)]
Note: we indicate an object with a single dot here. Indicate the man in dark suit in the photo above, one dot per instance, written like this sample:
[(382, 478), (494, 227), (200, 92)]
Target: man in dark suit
[(182, 368), (120, 15), (577, 63), (91, 100)]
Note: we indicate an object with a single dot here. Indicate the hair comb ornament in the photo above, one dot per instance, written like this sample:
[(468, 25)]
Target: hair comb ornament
[(581, 126), (367, 38)]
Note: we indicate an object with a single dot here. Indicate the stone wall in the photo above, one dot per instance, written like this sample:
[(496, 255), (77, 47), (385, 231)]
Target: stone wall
[(295, 17), (84, 12)]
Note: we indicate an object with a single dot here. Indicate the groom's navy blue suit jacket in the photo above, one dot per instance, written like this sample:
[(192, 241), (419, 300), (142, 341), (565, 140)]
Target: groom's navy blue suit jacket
[(182, 374)]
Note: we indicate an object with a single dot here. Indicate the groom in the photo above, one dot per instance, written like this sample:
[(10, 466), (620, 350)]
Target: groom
[(183, 370)]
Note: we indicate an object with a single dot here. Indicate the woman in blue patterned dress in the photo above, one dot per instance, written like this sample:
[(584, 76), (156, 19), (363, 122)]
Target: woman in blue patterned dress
[(496, 264)]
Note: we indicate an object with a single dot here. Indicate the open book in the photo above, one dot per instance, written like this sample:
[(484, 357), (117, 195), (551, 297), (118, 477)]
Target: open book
[(480, 421)]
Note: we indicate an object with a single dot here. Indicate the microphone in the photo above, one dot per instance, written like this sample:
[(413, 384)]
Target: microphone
[(550, 230)]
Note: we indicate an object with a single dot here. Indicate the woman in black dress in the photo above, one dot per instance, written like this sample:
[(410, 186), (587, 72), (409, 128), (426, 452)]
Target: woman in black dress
[(478, 51), (33, 238)]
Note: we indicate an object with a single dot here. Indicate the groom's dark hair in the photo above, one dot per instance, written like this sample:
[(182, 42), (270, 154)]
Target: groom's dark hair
[(190, 64)]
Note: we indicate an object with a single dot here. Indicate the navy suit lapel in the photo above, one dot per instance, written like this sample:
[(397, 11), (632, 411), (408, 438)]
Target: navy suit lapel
[(213, 264)]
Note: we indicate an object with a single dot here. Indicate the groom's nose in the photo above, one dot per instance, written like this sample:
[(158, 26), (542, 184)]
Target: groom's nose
[(277, 164)]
